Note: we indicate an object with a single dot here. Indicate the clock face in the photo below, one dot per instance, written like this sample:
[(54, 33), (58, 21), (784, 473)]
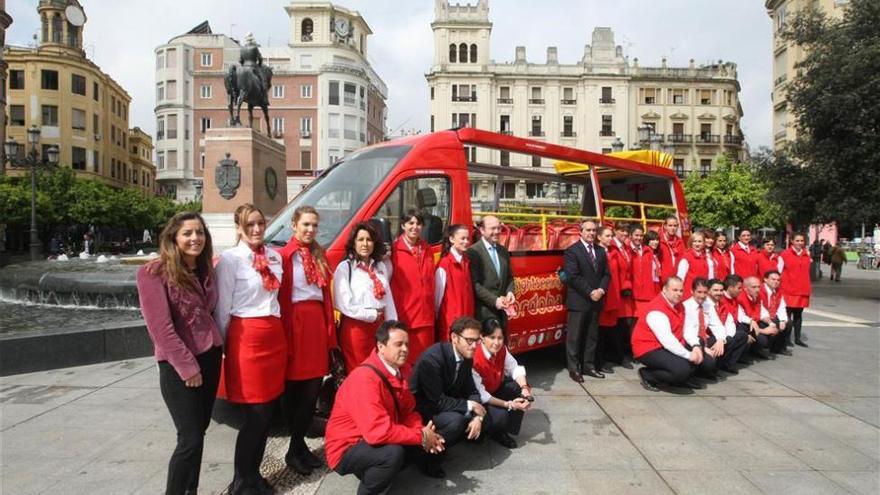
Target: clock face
[(342, 27)]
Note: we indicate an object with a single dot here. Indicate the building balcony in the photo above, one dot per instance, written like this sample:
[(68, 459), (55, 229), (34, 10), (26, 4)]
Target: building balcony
[(536, 133), (679, 138), (607, 101), (569, 102), (464, 98), (505, 131), (733, 140), (606, 133), (505, 101), (780, 135), (536, 101), (707, 138), (568, 134)]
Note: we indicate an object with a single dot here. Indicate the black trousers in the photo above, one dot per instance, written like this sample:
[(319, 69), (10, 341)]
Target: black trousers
[(376, 466), (452, 426), (664, 367), (502, 420), (796, 320), (190, 409), (734, 347), (777, 343), (582, 340), (298, 403)]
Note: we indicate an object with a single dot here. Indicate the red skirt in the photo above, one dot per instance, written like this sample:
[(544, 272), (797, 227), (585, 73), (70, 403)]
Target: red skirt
[(254, 360), (420, 338), (628, 308), (794, 301), (357, 339), (307, 342), (609, 317)]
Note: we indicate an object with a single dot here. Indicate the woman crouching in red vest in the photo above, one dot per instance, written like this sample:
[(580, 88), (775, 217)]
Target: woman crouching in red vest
[(502, 384), (453, 288), (307, 316)]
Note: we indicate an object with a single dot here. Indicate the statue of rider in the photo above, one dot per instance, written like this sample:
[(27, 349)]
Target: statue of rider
[(250, 56)]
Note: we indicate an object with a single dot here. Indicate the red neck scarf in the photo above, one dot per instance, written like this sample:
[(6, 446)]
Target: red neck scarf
[(378, 288), (697, 253), (415, 249), (314, 275), (261, 265)]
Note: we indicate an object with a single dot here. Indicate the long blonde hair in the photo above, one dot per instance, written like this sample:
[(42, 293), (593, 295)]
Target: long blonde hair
[(241, 217), (315, 248), (170, 263)]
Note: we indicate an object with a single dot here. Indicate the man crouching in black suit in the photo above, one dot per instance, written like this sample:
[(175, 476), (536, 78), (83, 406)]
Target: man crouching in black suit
[(445, 393)]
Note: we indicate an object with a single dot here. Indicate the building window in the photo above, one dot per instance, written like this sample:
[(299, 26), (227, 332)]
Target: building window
[(307, 27), (536, 95), (171, 159), (16, 115), (678, 96), (362, 101), (705, 131), (504, 160), (707, 96), (78, 119), (305, 127), (204, 124), (470, 154), (432, 92), (207, 59), (568, 126), (333, 98), (305, 160), (504, 95), (49, 115), (606, 95), (201, 161), (305, 91), (96, 161), (171, 126), (535, 190), (536, 161), (160, 92), (72, 35), (705, 166), (171, 90), (678, 129), (96, 91), (49, 79), (160, 160), (78, 158), (453, 54), (678, 166), (350, 127), (607, 126), (568, 96), (463, 53), (305, 61), (16, 79), (278, 91), (473, 53), (464, 120), (205, 90), (350, 94), (649, 96), (508, 190), (504, 124), (278, 126), (432, 123), (113, 167), (536, 126), (171, 58), (57, 29), (333, 125), (160, 60), (780, 19)]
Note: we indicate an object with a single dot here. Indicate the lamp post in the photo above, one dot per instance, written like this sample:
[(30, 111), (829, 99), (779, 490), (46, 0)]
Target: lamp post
[(32, 159), (617, 145)]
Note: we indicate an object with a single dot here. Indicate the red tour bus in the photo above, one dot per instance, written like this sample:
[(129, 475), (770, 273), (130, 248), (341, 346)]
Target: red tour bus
[(434, 174)]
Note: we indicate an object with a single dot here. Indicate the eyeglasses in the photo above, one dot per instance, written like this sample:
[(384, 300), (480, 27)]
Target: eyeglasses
[(468, 340)]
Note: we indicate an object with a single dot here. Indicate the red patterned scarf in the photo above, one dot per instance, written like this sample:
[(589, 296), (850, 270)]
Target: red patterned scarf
[(314, 275), (378, 288), (261, 265)]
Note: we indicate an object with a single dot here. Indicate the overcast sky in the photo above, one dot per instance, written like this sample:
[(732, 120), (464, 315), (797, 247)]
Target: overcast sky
[(120, 37)]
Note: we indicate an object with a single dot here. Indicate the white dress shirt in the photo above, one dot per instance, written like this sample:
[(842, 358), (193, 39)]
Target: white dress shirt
[(440, 281), (658, 322), (744, 318), (353, 291), (729, 324), (692, 321), (458, 360), (511, 368), (782, 312), (240, 290), (302, 289)]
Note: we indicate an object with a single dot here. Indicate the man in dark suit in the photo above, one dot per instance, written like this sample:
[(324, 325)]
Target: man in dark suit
[(443, 386), (587, 268), (491, 274)]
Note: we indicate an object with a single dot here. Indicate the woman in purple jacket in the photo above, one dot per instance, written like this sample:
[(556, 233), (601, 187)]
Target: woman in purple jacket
[(177, 296)]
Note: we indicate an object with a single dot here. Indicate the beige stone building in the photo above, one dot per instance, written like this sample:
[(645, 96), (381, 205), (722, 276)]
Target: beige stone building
[(78, 108), (594, 103), (786, 56), (5, 21), (326, 100)]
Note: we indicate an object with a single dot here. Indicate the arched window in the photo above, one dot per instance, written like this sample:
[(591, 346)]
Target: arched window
[(45, 26), (463, 53), (473, 54), (453, 51), (307, 29), (57, 28), (72, 35)]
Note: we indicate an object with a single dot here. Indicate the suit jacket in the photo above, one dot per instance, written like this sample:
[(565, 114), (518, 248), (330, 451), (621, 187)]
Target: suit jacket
[(436, 386), (488, 286), (583, 278)]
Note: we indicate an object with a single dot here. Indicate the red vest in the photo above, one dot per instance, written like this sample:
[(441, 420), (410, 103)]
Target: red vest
[(458, 298), (643, 339), (722, 264), (745, 264), (767, 263), (752, 309), (728, 306), (796, 273), (672, 249), (625, 256), (491, 369), (412, 284), (771, 301), (613, 301), (698, 266), (643, 285)]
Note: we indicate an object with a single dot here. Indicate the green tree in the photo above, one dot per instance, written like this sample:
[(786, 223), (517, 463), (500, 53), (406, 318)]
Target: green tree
[(731, 195), (835, 100)]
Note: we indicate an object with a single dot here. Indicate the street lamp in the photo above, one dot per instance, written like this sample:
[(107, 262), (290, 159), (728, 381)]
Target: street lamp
[(33, 160), (617, 145)]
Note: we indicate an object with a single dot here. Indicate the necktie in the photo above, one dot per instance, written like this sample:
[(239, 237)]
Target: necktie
[(592, 255), (457, 367), (702, 322), (493, 253)]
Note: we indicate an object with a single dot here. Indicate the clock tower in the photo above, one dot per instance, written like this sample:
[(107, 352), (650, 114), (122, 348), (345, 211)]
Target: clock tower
[(461, 36), (62, 24)]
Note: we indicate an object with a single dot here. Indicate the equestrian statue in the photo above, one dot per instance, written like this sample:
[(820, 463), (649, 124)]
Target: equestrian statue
[(249, 84)]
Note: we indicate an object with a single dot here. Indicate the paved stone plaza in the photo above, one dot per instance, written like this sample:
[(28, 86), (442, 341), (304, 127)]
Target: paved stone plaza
[(803, 424)]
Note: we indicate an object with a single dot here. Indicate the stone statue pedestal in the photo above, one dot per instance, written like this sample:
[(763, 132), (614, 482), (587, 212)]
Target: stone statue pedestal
[(241, 166)]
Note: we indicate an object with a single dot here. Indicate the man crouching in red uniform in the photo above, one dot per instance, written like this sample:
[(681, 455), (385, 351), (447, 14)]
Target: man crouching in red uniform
[(374, 416)]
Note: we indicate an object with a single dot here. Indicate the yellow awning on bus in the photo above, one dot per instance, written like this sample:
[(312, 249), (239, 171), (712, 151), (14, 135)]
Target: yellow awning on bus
[(650, 157)]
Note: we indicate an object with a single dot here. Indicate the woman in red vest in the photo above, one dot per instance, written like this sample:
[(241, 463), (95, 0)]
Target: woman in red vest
[(694, 263), (671, 246), (255, 351), (502, 384), (307, 316), (453, 289), (413, 283), (721, 256), (767, 258), (626, 314), (362, 294), (744, 257), (645, 276), (796, 288), (608, 347)]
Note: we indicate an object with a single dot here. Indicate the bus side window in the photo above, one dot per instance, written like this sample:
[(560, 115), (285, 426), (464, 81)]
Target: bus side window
[(430, 196)]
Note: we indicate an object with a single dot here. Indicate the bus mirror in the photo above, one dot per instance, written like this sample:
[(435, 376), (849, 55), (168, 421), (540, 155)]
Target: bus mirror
[(382, 227)]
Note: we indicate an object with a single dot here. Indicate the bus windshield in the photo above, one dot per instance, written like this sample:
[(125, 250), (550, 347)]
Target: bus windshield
[(338, 193)]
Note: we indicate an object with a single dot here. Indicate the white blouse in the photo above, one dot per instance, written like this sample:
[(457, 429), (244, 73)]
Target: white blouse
[(240, 287), (353, 292), (440, 281), (511, 368), (302, 289)]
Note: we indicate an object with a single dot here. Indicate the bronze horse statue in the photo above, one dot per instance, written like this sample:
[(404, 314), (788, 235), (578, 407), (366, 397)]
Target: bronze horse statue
[(249, 84)]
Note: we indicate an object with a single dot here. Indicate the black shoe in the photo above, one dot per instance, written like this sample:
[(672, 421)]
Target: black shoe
[(594, 373), (710, 377), (746, 360), (785, 352), (606, 369), (574, 375), (310, 459), (627, 364), (505, 440), (763, 354), (801, 343), (730, 369), (244, 487), (694, 384), (265, 487), (431, 468), (646, 384), (299, 465)]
